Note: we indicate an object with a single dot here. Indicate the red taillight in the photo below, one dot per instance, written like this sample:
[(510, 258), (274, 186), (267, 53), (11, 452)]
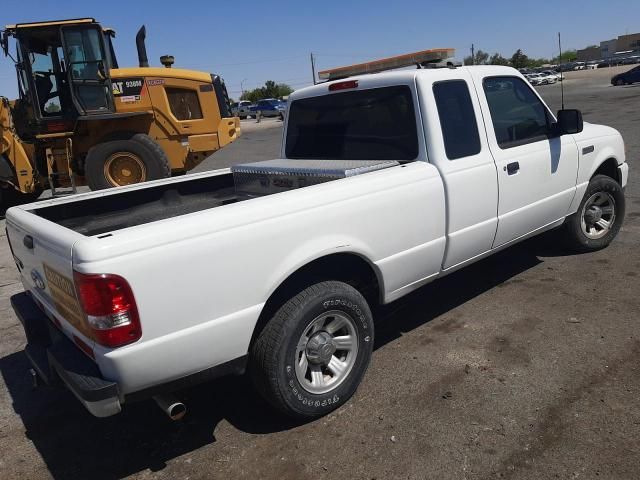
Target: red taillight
[(58, 126), (343, 85), (110, 308)]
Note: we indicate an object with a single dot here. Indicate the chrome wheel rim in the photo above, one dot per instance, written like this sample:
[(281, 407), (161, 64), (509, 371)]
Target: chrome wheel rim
[(326, 352), (598, 215)]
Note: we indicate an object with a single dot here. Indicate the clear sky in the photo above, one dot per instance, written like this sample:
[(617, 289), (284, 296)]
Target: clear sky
[(248, 42)]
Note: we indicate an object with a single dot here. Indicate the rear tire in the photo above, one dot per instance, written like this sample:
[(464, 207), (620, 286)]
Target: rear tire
[(125, 162), (311, 356), (599, 216)]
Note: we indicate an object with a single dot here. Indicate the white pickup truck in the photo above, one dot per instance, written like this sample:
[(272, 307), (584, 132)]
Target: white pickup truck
[(385, 183)]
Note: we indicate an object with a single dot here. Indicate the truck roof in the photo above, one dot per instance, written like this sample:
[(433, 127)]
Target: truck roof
[(404, 76)]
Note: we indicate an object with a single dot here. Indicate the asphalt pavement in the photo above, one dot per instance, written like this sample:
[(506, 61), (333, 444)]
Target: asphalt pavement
[(525, 365)]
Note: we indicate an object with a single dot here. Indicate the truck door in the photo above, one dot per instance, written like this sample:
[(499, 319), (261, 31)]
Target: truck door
[(87, 69), (536, 170), (462, 156)]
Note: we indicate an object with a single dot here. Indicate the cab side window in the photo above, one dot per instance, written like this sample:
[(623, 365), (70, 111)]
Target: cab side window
[(518, 115), (457, 119)]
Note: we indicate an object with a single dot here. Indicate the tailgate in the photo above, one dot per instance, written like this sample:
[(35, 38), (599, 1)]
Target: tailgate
[(43, 254)]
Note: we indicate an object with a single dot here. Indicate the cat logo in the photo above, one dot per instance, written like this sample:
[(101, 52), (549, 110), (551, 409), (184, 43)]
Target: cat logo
[(117, 88)]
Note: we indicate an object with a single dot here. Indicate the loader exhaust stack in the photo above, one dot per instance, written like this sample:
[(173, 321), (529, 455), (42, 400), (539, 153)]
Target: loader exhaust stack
[(143, 60)]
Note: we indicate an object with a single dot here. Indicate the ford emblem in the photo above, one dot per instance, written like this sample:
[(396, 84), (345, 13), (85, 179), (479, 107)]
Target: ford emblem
[(37, 279)]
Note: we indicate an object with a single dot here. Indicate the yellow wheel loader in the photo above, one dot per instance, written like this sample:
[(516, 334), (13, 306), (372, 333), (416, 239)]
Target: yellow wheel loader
[(80, 119)]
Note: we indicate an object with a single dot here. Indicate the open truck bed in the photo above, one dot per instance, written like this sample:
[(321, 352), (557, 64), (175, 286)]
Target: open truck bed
[(97, 215)]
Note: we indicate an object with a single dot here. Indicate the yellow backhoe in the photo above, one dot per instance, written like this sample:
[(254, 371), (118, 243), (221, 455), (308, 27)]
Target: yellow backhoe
[(80, 119)]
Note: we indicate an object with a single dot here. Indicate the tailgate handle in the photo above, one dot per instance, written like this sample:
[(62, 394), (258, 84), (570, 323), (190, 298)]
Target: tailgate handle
[(28, 241)]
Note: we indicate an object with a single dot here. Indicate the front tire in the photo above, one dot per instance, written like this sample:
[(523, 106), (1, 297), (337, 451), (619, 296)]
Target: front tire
[(125, 162), (599, 216), (311, 356)]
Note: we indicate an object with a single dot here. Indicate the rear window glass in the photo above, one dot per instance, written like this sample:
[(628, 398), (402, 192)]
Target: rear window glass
[(374, 124), (184, 103)]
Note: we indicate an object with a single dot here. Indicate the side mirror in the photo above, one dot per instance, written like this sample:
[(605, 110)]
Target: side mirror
[(569, 121)]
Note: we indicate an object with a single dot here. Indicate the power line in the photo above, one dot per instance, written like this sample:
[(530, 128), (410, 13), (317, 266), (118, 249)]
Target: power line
[(252, 62)]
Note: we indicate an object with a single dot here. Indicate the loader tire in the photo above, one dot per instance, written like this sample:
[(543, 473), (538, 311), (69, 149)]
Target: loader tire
[(126, 162)]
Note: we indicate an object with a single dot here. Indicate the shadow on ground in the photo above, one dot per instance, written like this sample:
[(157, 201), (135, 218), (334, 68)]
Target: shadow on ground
[(76, 445)]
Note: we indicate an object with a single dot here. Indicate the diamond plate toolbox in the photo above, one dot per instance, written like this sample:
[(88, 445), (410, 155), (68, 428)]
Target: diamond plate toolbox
[(279, 175)]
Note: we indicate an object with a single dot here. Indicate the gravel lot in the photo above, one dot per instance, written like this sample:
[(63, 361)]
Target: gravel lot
[(525, 365)]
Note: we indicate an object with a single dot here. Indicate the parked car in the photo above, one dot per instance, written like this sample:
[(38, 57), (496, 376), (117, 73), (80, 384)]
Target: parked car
[(627, 78), (548, 77), (269, 107), (241, 109), (275, 267), (554, 74), (536, 79), (633, 60)]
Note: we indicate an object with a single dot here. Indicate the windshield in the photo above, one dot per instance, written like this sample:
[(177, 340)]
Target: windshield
[(374, 124)]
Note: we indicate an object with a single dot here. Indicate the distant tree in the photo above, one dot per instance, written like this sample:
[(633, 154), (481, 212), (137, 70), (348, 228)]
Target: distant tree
[(519, 59), (271, 89), (481, 58), (497, 59), (537, 62), (567, 57)]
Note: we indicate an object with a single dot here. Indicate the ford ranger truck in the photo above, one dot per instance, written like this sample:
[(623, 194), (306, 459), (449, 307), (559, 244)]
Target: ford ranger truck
[(385, 182)]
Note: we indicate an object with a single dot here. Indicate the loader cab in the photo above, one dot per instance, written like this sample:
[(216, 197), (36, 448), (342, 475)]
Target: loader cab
[(63, 73)]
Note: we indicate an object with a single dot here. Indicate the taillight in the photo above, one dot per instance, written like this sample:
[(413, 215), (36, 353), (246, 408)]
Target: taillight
[(110, 308), (343, 85)]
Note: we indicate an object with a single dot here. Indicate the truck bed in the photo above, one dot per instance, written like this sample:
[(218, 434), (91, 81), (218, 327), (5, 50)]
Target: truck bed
[(98, 215)]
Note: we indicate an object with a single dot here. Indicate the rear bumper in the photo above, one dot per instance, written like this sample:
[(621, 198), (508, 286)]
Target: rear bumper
[(57, 361)]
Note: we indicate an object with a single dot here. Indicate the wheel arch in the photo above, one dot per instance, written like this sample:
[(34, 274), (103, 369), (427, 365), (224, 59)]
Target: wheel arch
[(609, 168), (118, 135), (348, 267)]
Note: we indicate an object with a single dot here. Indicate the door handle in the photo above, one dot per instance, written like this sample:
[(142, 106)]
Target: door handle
[(27, 241), (512, 168)]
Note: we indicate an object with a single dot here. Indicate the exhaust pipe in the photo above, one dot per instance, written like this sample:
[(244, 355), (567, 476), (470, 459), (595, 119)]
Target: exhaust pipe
[(143, 61), (170, 405)]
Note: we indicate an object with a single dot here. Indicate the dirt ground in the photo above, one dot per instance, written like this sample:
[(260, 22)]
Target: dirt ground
[(524, 366)]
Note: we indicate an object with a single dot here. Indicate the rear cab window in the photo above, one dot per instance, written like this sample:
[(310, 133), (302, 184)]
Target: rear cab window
[(457, 119), (367, 124)]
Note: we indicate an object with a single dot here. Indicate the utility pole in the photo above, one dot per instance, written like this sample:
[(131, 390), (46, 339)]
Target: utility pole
[(473, 55), (242, 86), (313, 69)]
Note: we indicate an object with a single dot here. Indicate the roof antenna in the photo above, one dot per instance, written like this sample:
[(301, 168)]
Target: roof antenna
[(561, 72)]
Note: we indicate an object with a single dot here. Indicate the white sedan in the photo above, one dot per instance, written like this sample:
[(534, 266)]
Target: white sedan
[(534, 79), (552, 74)]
